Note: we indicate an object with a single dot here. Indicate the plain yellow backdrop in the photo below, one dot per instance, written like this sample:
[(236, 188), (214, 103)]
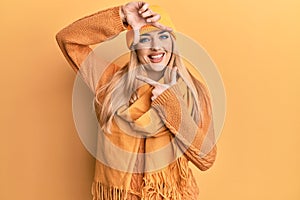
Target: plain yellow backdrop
[(255, 45)]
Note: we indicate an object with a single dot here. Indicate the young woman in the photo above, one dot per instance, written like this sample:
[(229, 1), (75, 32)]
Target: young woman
[(154, 115)]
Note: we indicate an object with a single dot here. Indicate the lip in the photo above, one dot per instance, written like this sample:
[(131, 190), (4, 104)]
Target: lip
[(156, 57)]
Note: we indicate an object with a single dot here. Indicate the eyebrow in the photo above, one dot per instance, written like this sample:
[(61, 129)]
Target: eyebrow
[(147, 34), (162, 32)]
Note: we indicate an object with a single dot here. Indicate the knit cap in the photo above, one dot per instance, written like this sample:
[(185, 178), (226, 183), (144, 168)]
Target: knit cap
[(164, 20)]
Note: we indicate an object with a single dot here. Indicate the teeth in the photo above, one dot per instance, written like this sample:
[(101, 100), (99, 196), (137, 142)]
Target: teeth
[(157, 56)]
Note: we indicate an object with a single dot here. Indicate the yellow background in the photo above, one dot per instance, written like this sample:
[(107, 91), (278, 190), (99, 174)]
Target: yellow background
[(255, 45)]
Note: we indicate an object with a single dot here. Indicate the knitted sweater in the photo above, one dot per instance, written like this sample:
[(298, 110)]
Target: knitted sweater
[(171, 109)]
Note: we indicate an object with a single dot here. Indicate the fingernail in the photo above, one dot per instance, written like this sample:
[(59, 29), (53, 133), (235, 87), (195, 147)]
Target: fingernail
[(148, 20)]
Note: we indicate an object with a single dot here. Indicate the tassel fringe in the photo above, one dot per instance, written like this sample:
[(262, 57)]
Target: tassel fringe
[(102, 192), (175, 182)]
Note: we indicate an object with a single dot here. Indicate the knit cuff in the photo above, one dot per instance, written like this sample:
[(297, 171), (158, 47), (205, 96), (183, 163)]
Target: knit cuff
[(168, 95), (116, 17)]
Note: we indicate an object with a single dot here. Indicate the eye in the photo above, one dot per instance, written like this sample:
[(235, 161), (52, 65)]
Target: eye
[(163, 37), (144, 40)]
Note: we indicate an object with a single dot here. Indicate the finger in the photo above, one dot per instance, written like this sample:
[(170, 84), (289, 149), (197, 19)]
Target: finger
[(144, 6), (136, 36), (173, 76), (155, 91), (153, 18), (147, 80), (147, 13), (162, 27)]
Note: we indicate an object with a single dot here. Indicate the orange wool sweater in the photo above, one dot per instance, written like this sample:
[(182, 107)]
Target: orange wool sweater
[(167, 121)]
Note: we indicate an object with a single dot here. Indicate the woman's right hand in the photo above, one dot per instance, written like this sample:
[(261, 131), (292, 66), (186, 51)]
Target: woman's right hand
[(137, 14)]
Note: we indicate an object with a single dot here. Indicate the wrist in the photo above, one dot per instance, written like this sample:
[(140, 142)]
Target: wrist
[(123, 16)]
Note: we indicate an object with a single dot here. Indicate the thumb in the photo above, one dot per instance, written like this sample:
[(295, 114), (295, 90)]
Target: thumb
[(136, 35), (147, 80)]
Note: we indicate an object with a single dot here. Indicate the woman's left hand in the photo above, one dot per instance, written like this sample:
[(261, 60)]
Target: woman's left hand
[(159, 88)]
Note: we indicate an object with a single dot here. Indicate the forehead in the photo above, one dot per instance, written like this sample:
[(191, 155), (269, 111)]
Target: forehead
[(154, 33)]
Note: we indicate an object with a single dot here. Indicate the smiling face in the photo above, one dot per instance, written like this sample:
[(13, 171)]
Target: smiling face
[(154, 51)]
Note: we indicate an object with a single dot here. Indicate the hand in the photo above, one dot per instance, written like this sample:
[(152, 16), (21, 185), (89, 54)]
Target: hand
[(138, 14), (158, 87)]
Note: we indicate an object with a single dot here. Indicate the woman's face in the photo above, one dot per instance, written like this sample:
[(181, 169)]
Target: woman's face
[(154, 50)]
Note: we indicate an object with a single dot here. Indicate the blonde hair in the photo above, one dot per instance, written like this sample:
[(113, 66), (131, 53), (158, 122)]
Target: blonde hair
[(119, 89)]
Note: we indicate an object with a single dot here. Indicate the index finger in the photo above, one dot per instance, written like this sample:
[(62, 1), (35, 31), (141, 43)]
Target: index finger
[(162, 27), (147, 80)]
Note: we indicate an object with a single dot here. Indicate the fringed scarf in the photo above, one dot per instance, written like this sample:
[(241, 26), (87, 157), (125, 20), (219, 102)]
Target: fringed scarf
[(139, 159)]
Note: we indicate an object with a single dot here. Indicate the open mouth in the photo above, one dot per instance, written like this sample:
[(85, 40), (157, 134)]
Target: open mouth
[(156, 58)]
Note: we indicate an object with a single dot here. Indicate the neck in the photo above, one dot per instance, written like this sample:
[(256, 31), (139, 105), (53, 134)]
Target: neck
[(154, 75)]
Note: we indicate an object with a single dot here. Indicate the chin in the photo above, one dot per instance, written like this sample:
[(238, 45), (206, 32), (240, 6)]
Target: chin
[(157, 67)]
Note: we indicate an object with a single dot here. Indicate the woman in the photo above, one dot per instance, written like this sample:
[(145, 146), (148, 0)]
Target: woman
[(154, 115)]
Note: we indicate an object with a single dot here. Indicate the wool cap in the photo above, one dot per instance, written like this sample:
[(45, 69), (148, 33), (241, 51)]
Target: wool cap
[(165, 20)]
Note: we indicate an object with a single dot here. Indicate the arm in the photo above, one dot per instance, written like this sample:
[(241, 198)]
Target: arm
[(74, 40), (196, 140)]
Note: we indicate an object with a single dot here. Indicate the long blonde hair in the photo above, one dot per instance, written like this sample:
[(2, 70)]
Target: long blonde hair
[(123, 84)]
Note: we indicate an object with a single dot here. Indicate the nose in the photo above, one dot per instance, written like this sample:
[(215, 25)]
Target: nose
[(155, 44)]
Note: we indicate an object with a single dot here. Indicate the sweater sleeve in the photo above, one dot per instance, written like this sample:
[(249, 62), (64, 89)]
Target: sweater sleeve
[(75, 39), (197, 141)]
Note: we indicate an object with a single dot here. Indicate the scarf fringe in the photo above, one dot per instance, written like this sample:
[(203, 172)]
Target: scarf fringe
[(102, 192), (164, 185), (176, 182)]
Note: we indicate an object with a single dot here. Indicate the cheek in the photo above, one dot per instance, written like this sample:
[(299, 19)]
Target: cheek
[(168, 45), (169, 48), (142, 56), (168, 57)]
